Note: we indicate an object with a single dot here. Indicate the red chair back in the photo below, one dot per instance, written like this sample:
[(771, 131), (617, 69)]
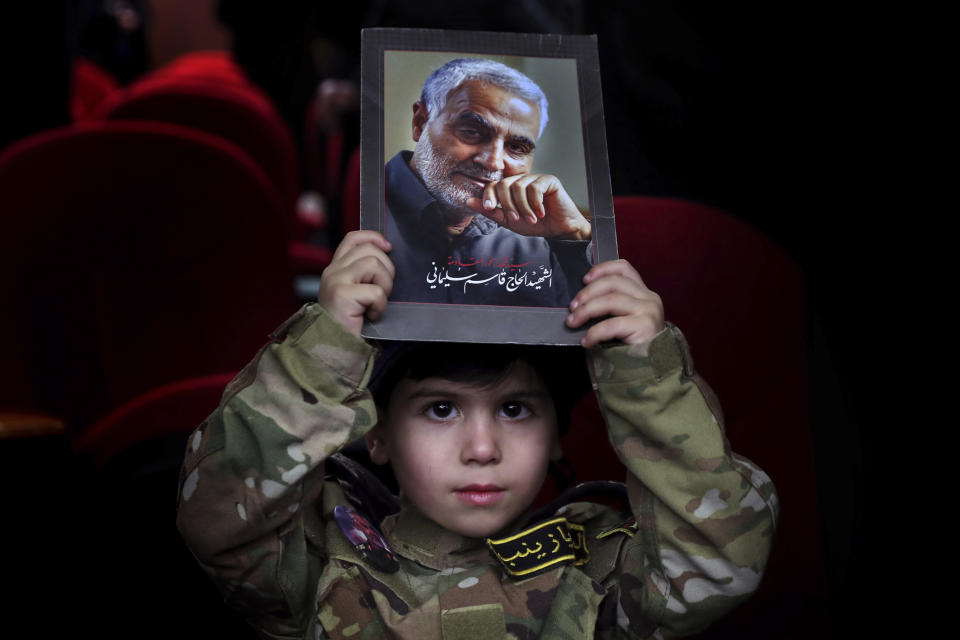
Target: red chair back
[(215, 66), (90, 86), (174, 408), (209, 92), (134, 254), (137, 451), (739, 300)]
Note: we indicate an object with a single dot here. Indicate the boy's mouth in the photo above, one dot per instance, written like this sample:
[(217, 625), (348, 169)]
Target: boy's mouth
[(480, 495)]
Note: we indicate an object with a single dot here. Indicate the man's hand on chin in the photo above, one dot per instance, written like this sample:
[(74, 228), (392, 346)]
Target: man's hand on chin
[(532, 204)]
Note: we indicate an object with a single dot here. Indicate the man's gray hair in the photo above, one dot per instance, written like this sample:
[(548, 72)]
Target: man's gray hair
[(454, 73)]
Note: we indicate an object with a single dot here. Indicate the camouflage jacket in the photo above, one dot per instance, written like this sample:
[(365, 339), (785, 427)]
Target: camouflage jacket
[(257, 512)]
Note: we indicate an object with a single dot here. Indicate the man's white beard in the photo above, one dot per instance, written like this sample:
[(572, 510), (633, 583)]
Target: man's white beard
[(436, 169)]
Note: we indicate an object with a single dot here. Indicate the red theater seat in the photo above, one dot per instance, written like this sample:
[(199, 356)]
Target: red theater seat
[(90, 86), (211, 66), (739, 299), (210, 93), (133, 254), (173, 409), (129, 534)]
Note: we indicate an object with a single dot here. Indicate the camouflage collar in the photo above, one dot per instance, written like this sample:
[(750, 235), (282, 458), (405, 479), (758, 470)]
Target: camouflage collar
[(415, 536), (521, 552)]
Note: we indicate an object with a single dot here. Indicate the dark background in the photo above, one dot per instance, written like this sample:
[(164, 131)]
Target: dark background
[(771, 111)]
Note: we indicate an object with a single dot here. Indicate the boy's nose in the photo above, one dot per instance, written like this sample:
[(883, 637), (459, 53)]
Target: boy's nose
[(480, 445)]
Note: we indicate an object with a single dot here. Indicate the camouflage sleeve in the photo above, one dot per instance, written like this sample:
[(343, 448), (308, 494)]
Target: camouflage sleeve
[(706, 516), (255, 465)]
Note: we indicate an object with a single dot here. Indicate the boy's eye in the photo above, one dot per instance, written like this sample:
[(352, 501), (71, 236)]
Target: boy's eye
[(515, 410), (441, 411)]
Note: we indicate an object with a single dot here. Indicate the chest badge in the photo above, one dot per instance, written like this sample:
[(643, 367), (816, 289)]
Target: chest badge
[(541, 547), (366, 539)]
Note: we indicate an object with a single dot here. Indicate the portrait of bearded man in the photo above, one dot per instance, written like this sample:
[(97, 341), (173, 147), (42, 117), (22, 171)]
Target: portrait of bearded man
[(469, 221)]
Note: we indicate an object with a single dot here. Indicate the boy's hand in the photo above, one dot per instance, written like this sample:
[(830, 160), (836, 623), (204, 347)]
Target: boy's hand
[(358, 279), (615, 289)]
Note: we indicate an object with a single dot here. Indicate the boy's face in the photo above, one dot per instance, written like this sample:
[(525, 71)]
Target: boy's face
[(471, 458)]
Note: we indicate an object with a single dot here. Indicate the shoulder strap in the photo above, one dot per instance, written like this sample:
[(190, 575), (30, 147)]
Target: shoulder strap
[(362, 488), (605, 490)]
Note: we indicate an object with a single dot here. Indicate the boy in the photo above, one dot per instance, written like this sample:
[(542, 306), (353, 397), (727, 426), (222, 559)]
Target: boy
[(459, 556)]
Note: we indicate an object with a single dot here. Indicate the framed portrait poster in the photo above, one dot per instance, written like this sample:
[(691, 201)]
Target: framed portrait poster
[(484, 163)]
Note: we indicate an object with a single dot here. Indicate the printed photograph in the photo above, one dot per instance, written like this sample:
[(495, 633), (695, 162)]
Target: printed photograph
[(483, 186)]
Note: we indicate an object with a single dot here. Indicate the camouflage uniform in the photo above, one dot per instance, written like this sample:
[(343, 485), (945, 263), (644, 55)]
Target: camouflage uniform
[(257, 512)]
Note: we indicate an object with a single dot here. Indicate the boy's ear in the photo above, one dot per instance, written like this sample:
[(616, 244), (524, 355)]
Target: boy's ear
[(377, 444)]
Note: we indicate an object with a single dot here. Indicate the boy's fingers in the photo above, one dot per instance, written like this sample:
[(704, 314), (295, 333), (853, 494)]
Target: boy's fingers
[(353, 301), (368, 269), (358, 279), (601, 332), (611, 284), (627, 329), (372, 297), (618, 299), (612, 267), (356, 238), (382, 278), (613, 304), (360, 254)]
